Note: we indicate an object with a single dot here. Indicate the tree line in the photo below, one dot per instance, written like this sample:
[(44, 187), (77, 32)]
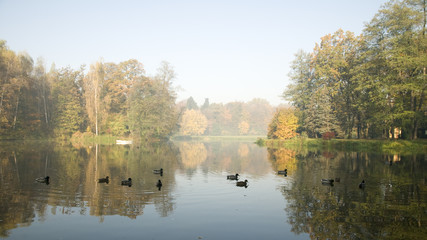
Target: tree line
[(233, 118), (367, 86), (116, 99), (107, 98)]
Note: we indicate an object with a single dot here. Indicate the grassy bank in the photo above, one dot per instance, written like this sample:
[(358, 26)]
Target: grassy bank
[(89, 139), (352, 145)]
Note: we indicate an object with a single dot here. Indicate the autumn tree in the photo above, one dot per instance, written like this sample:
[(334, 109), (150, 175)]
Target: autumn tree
[(283, 125), (20, 114), (193, 122), (243, 127), (118, 82)]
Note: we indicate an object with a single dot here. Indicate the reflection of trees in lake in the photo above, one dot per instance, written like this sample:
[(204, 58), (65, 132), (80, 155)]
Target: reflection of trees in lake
[(192, 154), (283, 158), (392, 206), (228, 157), (243, 150), (73, 187), (16, 207)]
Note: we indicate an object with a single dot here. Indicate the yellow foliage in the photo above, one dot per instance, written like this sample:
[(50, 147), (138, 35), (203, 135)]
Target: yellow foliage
[(284, 159), (192, 154), (243, 150), (193, 123), (283, 125), (243, 127)]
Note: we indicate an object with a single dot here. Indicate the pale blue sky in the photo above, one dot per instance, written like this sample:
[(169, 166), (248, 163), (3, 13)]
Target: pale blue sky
[(223, 50)]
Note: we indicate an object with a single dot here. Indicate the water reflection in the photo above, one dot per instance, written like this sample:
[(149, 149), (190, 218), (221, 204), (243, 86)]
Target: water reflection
[(194, 177), (230, 157), (391, 205), (77, 180)]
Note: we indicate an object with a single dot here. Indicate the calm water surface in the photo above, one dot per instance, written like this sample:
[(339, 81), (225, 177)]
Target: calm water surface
[(196, 200)]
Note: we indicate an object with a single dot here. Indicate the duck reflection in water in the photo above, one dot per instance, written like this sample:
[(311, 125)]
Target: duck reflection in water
[(362, 184), (328, 182), (158, 171), (127, 182), (43, 180), (284, 172), (242, 183), (159, 185)]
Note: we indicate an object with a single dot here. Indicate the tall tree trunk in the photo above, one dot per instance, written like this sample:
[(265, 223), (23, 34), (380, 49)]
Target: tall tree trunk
[(44, 101), (45, 110), (414, 118), (1, 99), (425, 17), (16, 111), (96, 108)]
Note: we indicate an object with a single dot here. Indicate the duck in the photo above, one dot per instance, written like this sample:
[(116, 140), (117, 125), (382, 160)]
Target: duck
[(158, 171), (327, 181), (362, 184), (159, 183), (127, 182), (233, 177), (242, 183), (43, 179), (104, 180), (285, 172)]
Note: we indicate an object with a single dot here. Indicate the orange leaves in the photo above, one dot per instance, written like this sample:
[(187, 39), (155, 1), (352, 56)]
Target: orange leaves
[(283, 125)]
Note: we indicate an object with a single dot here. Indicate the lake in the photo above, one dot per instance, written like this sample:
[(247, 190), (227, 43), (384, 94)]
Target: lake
[(196, 201)]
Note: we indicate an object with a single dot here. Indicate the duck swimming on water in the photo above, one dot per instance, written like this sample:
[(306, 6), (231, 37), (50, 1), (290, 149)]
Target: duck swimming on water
[(242, 183), (104, 180), (43, 179), (233, 177), (127, 182), (327, 181)]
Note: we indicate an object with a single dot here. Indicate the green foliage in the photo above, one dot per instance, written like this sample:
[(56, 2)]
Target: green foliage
[(66, 96), (260, 142), (191, 104), (369, 85), (112, 99), (151, 112), (116, 125)]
